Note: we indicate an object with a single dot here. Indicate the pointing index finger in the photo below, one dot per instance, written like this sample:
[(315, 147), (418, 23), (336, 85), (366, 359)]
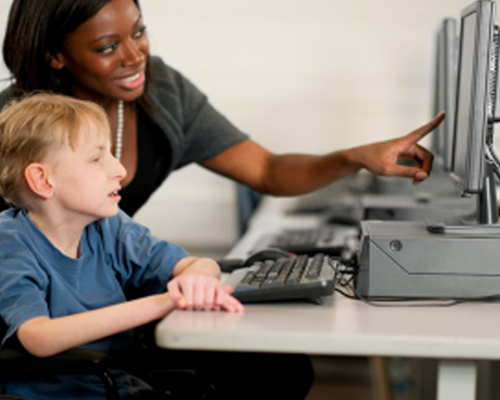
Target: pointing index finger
[(419, 133)]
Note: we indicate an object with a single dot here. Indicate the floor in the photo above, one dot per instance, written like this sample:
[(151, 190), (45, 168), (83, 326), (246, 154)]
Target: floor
[(339, 391), (341, 378)]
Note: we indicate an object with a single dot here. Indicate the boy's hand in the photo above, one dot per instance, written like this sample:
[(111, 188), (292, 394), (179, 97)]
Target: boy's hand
[(202, 292)]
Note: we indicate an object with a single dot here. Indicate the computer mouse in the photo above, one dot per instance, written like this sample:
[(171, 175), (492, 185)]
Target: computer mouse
[(230, 264), (269, 253)]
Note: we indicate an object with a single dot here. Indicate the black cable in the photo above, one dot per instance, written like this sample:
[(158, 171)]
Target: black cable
[(346, 277)]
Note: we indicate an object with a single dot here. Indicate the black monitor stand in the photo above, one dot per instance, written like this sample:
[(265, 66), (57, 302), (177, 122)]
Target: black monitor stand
[(485, 222), (487, 208)]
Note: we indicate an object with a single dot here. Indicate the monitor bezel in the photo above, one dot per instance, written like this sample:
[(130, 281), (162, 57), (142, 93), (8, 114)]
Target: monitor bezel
[(473, 180)]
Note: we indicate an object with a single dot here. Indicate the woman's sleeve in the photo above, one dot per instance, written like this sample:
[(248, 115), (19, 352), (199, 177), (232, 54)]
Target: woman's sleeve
[(200, 132)]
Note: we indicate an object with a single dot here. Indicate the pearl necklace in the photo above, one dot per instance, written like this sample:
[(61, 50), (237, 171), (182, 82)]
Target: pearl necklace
[(119, 131)]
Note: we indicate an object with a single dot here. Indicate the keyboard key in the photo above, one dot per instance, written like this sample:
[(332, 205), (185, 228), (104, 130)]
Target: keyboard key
[(315, 267)]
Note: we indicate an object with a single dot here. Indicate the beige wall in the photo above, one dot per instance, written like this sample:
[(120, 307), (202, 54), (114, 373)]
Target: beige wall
[(297, 75)]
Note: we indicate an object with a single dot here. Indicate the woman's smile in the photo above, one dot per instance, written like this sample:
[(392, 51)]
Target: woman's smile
[(132, 82)]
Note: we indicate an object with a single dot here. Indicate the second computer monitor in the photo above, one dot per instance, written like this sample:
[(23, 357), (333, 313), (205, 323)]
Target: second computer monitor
[(444, 90)]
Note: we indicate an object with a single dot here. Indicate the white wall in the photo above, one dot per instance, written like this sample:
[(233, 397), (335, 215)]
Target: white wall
[(297, 75)]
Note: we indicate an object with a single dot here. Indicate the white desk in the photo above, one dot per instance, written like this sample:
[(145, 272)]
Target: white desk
[(456, 335), (344, 327)]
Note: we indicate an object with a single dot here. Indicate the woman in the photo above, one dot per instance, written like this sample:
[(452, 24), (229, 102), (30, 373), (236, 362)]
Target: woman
[(98, 50)]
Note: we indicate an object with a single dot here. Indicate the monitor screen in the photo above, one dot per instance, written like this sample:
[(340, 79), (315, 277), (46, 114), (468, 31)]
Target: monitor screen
[(472, 96), (444, 90)]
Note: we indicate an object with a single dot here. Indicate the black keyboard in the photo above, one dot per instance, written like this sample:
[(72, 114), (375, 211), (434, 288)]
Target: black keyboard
[(328, 239), (301, 277)]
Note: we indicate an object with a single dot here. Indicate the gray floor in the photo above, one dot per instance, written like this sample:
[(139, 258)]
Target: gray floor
[(341, 378)]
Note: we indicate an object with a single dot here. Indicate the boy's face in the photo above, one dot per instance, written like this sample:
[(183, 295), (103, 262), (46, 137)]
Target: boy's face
[(86, 179)]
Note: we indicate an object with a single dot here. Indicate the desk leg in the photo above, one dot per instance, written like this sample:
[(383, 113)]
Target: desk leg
[(380, 378), (456, 380)]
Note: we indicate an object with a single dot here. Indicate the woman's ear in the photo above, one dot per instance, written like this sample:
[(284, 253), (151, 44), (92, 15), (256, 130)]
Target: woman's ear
[(56, 61), (37, 178)]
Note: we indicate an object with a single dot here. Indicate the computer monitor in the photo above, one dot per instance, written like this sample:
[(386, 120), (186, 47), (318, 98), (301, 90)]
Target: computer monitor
[(444, 90), (475, 107), (449, 260)]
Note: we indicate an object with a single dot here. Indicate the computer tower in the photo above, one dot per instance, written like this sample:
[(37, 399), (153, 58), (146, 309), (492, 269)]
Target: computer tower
[(403, 260)]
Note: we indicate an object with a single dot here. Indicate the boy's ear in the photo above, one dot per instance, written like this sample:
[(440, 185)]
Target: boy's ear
[(38, 181), (56, 61)]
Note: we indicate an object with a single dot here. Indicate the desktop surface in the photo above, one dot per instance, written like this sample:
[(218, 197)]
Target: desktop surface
[(415, 207), (341, 326), (438, 183)]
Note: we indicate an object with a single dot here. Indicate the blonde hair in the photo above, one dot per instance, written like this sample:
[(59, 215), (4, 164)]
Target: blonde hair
[(34, 125)]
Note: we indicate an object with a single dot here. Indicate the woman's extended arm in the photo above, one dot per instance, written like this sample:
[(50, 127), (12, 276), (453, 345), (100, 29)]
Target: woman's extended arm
[(293, 174)]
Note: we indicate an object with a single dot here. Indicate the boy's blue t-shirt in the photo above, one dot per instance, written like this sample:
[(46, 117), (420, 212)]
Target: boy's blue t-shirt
[(36, 279)]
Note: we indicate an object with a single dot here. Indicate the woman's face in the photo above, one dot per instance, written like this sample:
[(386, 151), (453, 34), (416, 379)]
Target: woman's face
[(106, 55)]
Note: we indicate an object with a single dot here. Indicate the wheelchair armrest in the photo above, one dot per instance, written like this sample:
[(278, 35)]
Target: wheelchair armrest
[(16, 363), (79, 361)]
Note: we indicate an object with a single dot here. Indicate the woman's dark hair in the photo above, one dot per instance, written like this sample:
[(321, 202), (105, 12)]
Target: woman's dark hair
[(37, 29)]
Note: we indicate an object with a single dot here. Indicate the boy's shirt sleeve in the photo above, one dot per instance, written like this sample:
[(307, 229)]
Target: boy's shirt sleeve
[(22, 284), (146, 262)]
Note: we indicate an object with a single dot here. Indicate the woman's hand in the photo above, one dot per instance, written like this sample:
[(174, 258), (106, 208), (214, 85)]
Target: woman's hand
[(198, 287), (381, 158)]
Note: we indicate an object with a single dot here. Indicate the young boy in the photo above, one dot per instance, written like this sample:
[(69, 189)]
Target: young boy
[(68, 254)]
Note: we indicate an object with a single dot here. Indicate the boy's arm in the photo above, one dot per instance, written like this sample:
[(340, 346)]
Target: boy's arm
[(196, 285), (44, 336)]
